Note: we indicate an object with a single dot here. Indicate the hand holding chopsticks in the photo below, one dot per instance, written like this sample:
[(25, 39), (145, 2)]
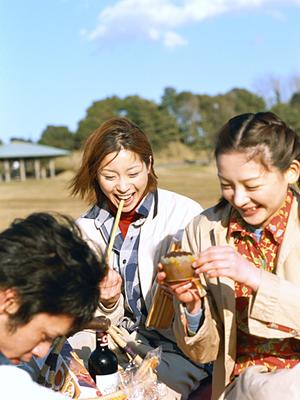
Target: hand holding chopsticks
[(113, 232), (110, 286)]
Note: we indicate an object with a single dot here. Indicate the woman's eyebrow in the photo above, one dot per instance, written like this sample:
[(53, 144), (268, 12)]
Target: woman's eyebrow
[(252, 178)]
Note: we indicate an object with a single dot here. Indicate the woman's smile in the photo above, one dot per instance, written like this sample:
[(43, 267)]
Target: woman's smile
[(123, 176)]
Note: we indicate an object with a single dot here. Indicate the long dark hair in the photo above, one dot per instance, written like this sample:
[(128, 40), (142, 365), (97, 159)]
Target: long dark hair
[(262, 135)]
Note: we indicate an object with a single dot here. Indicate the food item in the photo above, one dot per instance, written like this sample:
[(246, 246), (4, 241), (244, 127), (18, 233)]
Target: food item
[(119, 395), (178, 266), (146, 368)]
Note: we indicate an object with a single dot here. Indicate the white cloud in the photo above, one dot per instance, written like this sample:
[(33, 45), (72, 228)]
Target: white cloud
[(160, 20), (154, 34), (172, 39)]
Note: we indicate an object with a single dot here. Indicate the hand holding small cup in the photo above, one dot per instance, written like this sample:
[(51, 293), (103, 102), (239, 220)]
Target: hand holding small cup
[(177, 266)]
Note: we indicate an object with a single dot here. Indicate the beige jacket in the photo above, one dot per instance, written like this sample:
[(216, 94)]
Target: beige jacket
[(276, 301)]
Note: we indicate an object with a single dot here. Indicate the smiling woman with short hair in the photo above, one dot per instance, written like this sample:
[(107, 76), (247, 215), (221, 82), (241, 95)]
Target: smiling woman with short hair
[(118, 166)]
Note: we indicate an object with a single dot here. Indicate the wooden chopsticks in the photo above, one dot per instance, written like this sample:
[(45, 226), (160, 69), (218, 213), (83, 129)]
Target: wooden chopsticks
[(113, 232)]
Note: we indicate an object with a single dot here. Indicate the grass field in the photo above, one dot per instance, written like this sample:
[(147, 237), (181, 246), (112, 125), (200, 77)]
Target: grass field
[(18, 199)]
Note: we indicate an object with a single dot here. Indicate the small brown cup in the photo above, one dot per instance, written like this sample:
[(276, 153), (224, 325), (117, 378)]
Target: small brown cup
[(178, 266)]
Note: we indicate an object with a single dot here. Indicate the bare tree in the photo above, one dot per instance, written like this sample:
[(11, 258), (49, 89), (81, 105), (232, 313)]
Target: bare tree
[(294, 84), (273, 89)]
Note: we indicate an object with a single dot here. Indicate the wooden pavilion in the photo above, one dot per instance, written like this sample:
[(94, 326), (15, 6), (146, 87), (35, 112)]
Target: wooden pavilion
[(19, 160)]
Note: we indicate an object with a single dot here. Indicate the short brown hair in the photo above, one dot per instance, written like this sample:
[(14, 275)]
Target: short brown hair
[(112, 136)]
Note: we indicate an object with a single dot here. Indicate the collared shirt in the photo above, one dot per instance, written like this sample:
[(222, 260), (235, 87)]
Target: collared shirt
[(126, 251), (261, 248), (4, 360)]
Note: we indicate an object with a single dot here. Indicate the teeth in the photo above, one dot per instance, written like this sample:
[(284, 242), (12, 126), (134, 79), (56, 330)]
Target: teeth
[(124, 197)]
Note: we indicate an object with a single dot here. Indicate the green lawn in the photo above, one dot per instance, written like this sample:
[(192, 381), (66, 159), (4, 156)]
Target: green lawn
[(18, 199)]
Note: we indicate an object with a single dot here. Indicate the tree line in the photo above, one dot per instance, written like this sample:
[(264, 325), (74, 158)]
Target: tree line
[(192, 119)]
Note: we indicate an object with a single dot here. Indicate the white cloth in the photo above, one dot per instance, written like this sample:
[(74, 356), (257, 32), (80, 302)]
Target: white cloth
[(16, 384), (256, 383)]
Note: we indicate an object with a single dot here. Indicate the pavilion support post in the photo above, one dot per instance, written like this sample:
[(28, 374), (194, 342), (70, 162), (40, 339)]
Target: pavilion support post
[(52, 167), (43, 172), (37, 168), (22, 170), (7, 171)]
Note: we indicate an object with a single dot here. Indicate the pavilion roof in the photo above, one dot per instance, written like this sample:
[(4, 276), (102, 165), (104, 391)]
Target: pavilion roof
[(29, 150)]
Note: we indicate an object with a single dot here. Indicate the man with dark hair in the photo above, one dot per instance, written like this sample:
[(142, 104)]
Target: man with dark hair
[(49, 281)]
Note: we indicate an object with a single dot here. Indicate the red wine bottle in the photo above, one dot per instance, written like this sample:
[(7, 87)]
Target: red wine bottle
[(103, 365)]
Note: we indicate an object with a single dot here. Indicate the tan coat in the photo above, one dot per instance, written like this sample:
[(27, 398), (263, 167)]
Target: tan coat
[(277, 300)]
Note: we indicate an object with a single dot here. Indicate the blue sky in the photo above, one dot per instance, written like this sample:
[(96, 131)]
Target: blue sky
[(59, 56)]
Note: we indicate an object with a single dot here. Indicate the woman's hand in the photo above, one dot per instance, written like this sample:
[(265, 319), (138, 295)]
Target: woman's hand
[(225, 261), (185, 292), (110, 288)]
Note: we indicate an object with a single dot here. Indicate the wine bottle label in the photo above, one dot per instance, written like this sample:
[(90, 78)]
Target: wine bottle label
[(102, 339), (107, 383)]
